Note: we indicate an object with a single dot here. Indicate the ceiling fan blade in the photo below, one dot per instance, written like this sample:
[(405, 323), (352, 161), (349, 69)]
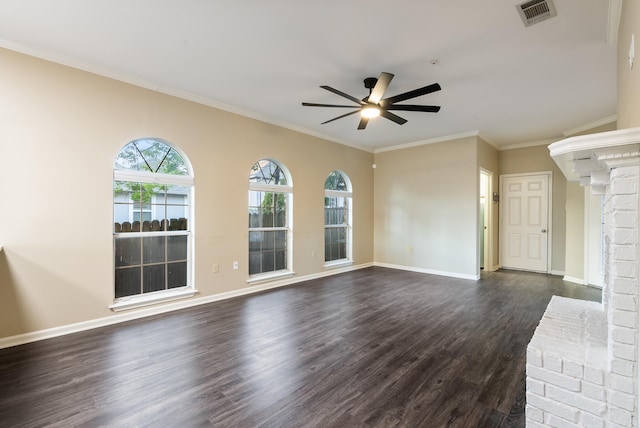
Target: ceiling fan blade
[(326, 105), (381, 85), (411, 107), (342, 94), (363, 122), (395, 118), (411, 94), (341, 116)]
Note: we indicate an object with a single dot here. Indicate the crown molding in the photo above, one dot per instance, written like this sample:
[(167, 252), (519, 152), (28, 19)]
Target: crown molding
[(613, 21), (529, 144), (429, 141), (604, 121)]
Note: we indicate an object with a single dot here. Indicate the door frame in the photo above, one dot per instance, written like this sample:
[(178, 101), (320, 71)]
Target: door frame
[(501, 238), (488, 219), (593, 239)]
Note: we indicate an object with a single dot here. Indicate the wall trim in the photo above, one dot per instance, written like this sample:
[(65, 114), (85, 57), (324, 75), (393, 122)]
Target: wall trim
[(574, 280), (582, 128), (429, 141), (529, 144), (613, 21), (429, 271), (121, 317)]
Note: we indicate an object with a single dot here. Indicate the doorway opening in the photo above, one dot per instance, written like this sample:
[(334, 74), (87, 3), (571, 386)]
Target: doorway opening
[(485, 247)]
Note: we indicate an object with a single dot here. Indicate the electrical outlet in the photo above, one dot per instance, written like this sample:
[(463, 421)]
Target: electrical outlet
[(235, 265), (313, 254), (216, 268)]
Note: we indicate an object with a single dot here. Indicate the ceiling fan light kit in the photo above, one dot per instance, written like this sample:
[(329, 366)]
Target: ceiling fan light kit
[(370, 111), (373, 105)]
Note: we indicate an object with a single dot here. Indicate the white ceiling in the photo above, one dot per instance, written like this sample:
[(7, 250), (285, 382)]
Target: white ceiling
[(513, 84)]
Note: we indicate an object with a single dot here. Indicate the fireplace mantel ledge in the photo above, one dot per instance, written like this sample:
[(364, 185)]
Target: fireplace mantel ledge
[(573, 330), (589, 158)]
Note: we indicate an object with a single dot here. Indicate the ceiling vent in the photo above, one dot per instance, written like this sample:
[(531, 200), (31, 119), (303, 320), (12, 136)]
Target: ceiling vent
[(535, 11)]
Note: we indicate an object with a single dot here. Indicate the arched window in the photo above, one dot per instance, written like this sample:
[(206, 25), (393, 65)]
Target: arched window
[(270, 201), (152, 187), (337, 218)]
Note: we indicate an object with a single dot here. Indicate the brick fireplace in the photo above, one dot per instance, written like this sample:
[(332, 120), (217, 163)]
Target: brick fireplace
[(582, 362)]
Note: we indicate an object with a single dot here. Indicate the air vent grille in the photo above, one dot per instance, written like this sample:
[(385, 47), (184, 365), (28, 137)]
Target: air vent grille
[(535, 11)]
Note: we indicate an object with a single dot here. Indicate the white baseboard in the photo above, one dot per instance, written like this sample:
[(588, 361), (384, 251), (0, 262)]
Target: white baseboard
[(429, 271), (20, 339), (574, 280)]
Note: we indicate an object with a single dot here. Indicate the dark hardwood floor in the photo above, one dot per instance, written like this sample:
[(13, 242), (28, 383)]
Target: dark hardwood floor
[(371, 348)]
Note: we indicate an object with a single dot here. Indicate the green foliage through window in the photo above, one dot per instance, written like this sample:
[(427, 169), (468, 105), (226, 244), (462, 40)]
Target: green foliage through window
[(151, 156)]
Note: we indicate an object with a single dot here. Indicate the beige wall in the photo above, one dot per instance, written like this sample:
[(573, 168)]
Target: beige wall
[(574, 253), (537, 159), (426, 207), (60, 130), (629, 79)]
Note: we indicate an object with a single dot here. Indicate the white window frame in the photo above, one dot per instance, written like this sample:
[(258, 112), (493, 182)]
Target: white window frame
[(348, 195), (287, 190), (140, 300)]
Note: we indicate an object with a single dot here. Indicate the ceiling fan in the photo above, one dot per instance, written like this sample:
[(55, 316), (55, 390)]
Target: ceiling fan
[(374, 105)]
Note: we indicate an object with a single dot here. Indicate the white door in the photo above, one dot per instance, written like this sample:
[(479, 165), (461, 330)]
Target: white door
[(525, 222)]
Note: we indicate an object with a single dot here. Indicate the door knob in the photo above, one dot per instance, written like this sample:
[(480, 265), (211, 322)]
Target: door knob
[(544, 230)]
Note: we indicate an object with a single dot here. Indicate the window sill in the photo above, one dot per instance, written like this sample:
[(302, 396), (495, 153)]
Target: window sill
[(269, 276), (133, 302), (338, 263)]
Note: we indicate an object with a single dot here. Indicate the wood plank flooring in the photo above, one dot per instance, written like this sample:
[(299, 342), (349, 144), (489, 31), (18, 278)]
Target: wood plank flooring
[(371, 348)]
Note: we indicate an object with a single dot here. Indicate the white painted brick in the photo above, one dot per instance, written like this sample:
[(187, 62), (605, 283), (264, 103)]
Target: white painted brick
[(621, 383), (576, 400), (614, 425), (534, 356), (551, 362), (553, 378), (623, 335), (592, 421), (623, 236), (620, 417), (624, 269), (624, 252), (620, 399), (594, 391), (594, 375), (625, 352), (556, 422), (622, 367), (624, 186), (624, 318), (535, 386), (573, 369), (624, 219), (625, 202), (534, 424), (534, 413), (624, 286), (624, 172), (553, 407)]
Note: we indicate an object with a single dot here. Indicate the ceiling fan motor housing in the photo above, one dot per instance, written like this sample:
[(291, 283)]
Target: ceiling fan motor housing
[(370, 82)]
